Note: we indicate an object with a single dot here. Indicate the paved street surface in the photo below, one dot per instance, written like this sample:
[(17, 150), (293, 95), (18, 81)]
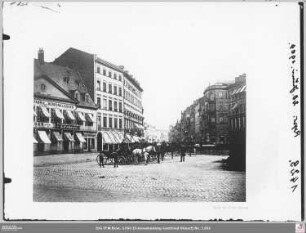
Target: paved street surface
[(77, 178)]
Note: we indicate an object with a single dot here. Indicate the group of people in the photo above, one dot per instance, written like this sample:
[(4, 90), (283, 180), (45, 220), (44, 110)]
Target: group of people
[(161, 148)]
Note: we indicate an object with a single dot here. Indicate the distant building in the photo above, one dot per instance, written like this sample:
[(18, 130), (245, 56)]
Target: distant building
[(218, 117), (152, 134), (64, 113)]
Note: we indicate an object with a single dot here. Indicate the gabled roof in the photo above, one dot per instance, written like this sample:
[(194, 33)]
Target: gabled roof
[(57, 73)]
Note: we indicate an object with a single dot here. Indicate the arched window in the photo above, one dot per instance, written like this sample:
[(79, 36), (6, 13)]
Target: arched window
[(43, 87)]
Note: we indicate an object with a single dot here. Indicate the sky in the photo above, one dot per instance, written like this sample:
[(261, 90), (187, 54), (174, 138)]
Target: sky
[(175, 50)]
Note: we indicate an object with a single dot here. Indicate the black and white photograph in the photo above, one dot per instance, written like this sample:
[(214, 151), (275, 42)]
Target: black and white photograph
[(190, 110)]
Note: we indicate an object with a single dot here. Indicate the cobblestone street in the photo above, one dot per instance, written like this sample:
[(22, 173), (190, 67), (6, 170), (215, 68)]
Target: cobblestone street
[(200, 178)]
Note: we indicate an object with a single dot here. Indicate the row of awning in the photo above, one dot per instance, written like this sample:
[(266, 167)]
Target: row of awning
[(239, 90), (87, 117), (44, 138)]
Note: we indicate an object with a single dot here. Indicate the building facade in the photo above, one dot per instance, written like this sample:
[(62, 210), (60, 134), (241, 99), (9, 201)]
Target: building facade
[(116, 93), (64, 113), (218, 117)]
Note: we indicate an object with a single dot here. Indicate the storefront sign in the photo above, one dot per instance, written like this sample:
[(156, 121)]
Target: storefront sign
[(67, 126), (43, 125), (54, 104)]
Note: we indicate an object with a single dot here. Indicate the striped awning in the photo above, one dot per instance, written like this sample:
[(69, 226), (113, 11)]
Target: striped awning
[(70, 115), (58, 114), (90, 117), (80, 137), (113, 137), (34, 113), (34, 140), (45, 111), (81, 116), (57, 136), (43, 136), (130, 138), (106, 138), (68, 137)]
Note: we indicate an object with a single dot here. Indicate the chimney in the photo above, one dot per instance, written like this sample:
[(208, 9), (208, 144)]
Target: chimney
[(41, 59)]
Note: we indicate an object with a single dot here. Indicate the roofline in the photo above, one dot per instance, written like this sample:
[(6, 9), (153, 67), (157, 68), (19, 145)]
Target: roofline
[(54, 98)]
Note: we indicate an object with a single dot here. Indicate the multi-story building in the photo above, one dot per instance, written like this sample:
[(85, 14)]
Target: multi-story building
[(237, 120), (106, 84), (133, 110), (64, 113), (215, 119)]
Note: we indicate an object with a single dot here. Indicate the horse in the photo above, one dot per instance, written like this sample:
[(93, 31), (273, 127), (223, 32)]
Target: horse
[(150, 150), (137, 153)]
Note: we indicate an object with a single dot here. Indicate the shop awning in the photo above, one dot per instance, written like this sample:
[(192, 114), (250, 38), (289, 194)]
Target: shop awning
[(43, 136), (58, 114), (57, 136), (106, 138), (81, 116), (34, 113), (114, 137), (234, 107), (68, 137), (120, 136), (45, 111), (90, 117), (80, 137), (70, 115), (130, 138), (34, 140)]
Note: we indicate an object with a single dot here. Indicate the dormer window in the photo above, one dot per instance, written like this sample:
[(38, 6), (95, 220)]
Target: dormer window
[(43, 87), (87, 98), (66, 80), (77, 96)]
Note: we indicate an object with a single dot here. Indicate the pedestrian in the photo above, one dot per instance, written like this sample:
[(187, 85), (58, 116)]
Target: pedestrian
[(101, 159), (158, 151), (183, 152), (116, 162)]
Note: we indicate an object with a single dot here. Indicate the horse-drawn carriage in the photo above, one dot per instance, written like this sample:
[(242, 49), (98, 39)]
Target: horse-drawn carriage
[(128, 156)]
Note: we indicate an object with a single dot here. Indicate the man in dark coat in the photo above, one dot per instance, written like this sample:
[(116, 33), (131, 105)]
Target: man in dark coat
[(183, 152), (158, 151), (101, 159)]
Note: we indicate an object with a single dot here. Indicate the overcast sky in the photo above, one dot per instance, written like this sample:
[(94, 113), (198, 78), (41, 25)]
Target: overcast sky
[(174, 49)]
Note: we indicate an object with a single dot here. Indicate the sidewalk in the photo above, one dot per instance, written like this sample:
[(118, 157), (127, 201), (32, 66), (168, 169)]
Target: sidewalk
[(55, 159)]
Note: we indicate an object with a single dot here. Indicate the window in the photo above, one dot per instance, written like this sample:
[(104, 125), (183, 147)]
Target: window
[(98, 69), (104, 86), (115, 90), (66, 79), (115, 76), (43, 87), (115, 106), (104, 121), (110, 105), (104, 103), (104, 72), (77, 96), (110, 122), (220, 94), (109, 74), (110, 89), (98, 85), (120, 106), (120, 123), (87, 98), (99, 119), (115, 123), (120, 91), (212, 97), (120, 78), (99, 102)]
